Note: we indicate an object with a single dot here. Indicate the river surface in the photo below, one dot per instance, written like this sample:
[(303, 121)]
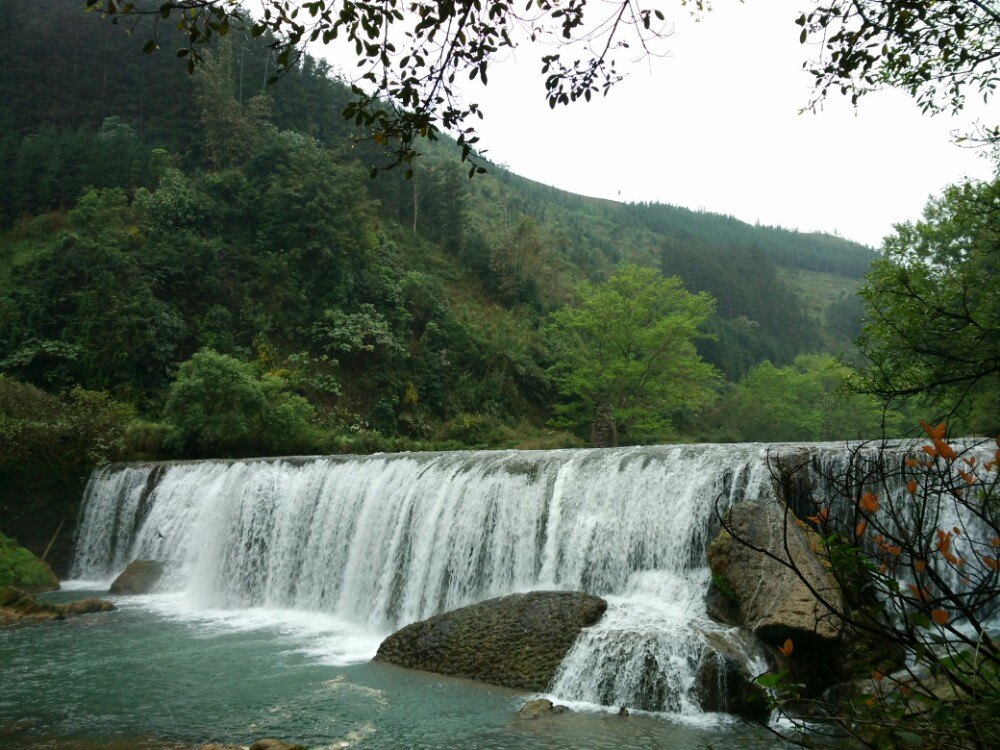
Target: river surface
[(158, 673)]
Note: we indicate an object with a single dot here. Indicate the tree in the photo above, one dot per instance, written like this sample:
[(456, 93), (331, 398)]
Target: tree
[(933, 50), (411, 54), (220, 407), (932, 307), (807, 400), (911, 534), (629, 345)]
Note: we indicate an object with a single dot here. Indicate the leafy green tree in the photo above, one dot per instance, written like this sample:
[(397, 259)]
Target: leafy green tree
[(86, 308), (810, 399), (775, 403), (629, 344), (220, 407), (932, 307)]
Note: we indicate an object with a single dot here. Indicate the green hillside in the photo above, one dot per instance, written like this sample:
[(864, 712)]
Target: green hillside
[(157, 153)]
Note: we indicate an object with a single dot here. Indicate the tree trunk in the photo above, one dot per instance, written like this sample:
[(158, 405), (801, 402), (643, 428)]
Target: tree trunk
[(604, 429)]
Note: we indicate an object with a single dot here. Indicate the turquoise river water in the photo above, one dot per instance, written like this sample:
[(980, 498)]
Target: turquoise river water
[(155, 675)]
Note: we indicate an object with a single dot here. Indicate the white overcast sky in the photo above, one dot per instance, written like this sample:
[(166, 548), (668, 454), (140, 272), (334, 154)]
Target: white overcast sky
[(715, 125)]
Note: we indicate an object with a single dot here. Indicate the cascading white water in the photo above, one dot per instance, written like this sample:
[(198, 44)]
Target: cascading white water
[(385, 540), (389, 539)]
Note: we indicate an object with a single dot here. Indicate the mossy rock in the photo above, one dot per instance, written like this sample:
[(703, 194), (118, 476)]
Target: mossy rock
[(20, 568), (17, 606), (517, 641)]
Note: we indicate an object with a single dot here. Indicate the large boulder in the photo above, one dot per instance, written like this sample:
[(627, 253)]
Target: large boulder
[(20, 568), (17, 606), (762, 594), (517, 641), (752, 589), (138, 578)]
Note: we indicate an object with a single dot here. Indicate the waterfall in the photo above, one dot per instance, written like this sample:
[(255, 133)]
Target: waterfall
[(389, 539)]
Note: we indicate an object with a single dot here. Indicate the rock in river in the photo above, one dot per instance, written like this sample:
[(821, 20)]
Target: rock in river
[(517, 641), (541, 707), (138, 578), (765, 596), (18, 606)]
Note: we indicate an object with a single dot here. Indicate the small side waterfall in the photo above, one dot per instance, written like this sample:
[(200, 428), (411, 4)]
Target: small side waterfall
[(385, 540)]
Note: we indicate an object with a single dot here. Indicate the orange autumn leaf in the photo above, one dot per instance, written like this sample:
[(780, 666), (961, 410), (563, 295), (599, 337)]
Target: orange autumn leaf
[(944, 450), (821, 516), (930, 450), (921, 595), (943, 541), (936, 432), (919, 565), (992, 563), (966, 477), (970, 461), (786, 649), (995, 541), (939, 616), (911, 462), (862, 525), (878, 675), (868, 502), (911, 486)]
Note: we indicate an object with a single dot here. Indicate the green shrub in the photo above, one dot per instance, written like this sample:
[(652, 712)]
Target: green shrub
[(473, 430), (68, 435), (147, 440), (18, 567), (217, 406)]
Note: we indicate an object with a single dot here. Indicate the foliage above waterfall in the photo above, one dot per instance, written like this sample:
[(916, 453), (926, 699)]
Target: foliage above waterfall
[(629, 345), (932, 322), (219, 406), (152, 215)]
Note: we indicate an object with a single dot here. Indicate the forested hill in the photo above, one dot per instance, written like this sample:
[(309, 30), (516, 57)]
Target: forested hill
[(258, 226)]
